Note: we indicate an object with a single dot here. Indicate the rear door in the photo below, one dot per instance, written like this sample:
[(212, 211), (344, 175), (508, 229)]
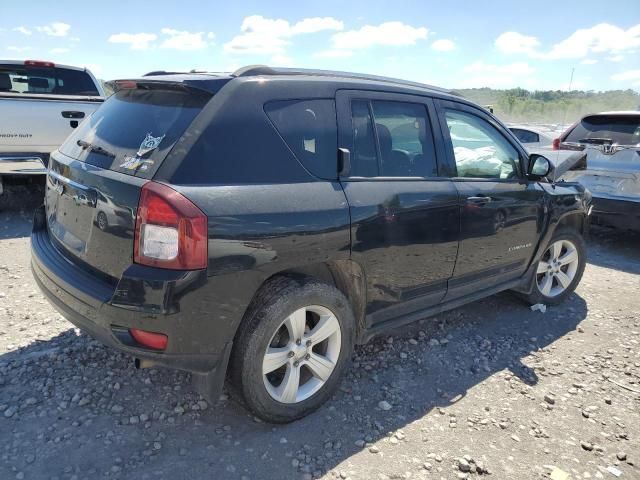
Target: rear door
[(94, 180), (404, 213), (501, 211)]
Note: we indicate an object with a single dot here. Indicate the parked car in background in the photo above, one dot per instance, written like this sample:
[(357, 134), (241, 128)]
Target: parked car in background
[(280, 216), (532, 137), (41, 104), (611, 141)]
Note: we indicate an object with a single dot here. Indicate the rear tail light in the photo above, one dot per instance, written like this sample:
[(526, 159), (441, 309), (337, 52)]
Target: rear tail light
[(171, 232), (39, 63), (556, 144), (156, 341)]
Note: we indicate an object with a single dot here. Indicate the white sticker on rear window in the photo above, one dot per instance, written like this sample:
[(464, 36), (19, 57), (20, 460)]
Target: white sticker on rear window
[(149, 144)]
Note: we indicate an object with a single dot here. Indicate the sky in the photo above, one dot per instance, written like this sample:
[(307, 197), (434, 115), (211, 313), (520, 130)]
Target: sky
[(452, 44)]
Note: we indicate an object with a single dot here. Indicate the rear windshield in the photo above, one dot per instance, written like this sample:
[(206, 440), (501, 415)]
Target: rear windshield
[(607, 129), (134, 130), (46, 81)]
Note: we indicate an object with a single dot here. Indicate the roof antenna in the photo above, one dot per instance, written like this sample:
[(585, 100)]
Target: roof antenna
[(564, 118)]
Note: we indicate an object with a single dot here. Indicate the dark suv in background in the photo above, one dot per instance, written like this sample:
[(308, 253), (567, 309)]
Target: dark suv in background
[(270, 219)]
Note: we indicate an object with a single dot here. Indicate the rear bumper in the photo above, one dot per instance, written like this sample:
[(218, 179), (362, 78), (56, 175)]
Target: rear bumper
[(24, 164), (142, 298), (616, 213)]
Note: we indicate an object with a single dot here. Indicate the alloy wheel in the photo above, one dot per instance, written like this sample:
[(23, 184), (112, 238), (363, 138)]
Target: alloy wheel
[(302, 354), (557, 268)]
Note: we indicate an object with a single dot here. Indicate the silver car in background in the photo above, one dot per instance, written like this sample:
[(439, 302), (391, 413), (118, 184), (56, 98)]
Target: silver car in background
[(611, 141), (533, 136)]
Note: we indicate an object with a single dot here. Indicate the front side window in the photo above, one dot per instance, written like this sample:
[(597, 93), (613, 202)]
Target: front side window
[(480, 150), (392, 139)]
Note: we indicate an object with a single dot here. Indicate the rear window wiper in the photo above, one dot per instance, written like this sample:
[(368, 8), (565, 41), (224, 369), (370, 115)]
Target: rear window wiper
[(95, 149)]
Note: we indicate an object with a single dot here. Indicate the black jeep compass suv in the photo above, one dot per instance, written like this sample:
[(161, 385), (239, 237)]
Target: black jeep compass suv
[(256, 225)]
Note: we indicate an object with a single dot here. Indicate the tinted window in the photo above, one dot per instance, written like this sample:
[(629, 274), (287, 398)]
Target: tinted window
[(309, 129), (405, 140), (52, 81), (401, 145), (364, 161), (618, 129), (525, 136), (129, 118), (480, 150)]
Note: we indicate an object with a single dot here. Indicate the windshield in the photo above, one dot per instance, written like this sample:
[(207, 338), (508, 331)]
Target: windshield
[(46, 81), (607, 129), (134, 130)]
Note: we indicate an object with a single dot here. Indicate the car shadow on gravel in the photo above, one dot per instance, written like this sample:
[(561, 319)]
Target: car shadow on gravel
[(613, 248), (75, 408), (15, 224)]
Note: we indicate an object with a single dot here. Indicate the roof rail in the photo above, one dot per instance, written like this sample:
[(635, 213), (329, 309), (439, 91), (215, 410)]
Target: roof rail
[(254, 70)]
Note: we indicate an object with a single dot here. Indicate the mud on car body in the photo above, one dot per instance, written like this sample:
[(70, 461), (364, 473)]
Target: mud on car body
[(278, 217)]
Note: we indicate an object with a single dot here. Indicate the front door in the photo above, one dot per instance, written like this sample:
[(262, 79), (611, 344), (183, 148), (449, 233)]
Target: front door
[(404, 214), (500, 210)]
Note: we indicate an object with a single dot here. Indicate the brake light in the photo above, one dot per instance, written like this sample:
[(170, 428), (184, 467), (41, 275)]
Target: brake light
[(556, 144), (39, 63), (126, 84), (157, 341), (171, 232)]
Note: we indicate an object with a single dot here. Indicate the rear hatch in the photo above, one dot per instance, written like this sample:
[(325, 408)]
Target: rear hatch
[(612, 144), (94, 180)]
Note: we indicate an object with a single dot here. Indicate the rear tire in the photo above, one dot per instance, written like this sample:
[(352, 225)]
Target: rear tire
[(560, 269), (292, 348)]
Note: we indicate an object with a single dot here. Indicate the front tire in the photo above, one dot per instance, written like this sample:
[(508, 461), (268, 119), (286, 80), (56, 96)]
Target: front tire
[(560, 269), (292, 349)]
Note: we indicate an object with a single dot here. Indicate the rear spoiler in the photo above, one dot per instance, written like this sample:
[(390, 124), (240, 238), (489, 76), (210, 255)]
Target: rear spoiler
[(209, 86), (51, 97)]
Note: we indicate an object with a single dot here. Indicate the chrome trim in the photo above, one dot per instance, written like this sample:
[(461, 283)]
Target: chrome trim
[(30, 165)]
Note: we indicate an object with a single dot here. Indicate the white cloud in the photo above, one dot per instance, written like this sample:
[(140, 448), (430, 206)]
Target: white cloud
[(589, 61), (262, 35), (316, 24), (59, 50), (13, 48), (281, 61), (616, 58), (23, 30), (136, 41), (333, 54), (387, 34), (481, 74), (443, 45), (629, 75), (182, 40), (514, 42), (55, 29), (602, 38)]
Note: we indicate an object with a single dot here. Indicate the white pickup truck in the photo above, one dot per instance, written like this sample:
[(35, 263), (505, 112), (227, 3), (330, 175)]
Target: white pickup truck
[(40, 105)]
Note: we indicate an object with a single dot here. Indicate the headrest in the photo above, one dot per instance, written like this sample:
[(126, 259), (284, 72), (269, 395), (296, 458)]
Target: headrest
[(5, 81), (384, 137), (35, 82)]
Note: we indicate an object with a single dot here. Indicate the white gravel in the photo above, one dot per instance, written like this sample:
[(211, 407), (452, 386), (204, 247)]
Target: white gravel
[(491, 390)]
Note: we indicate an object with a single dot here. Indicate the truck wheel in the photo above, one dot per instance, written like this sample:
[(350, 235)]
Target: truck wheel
[(560, 269), (292, 349)]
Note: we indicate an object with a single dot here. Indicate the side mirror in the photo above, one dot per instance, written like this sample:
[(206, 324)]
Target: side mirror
[(540, 167)]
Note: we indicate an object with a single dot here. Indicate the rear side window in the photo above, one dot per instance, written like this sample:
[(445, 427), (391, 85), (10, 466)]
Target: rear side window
[(607, 129), (309, 129), (392, 139), (525, 136), (46, 80), (134, 130)]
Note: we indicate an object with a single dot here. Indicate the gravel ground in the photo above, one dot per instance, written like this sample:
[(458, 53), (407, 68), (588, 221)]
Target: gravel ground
[(491, 390)]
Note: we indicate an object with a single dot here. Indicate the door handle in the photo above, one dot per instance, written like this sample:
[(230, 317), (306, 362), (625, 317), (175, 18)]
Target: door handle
[(72, 114), (478, 200)]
